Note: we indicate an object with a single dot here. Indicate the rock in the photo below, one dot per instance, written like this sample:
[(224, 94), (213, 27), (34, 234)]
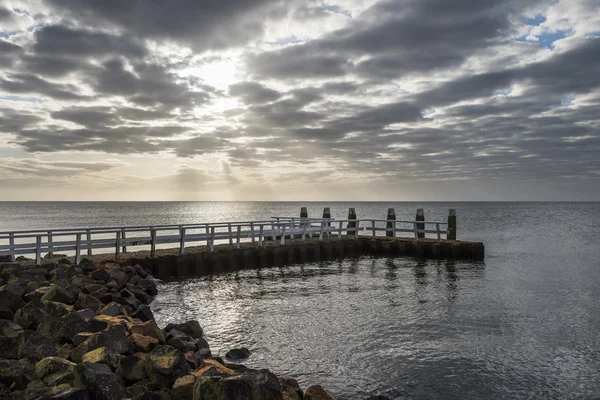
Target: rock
[(141, 343), (238, 354), (69, 394), (177, 343), (16, 374), (104, 356), (6, 313), (35, 346), (191, 328), (192, 359), (144, 313), (11, 296), (31, 314), (9, 347), (248, 385), (148, 286), (50, 329), (202, 344), (54, 255), (140, 271), (81, 337), (114, 337), (183, 388), (56, 310), (99, 381), (316, 392), (64, 350), (59, 294), (100, 275), (378, 397), (130, 302), (210, 367), (119, 277), (88, 301), (86, 264), (31, 394), (113, 309), (64, 261), (149, 328), (103, 296), (138, 293), (73, 323), (52, 365), (4, 392), (290, 388), (37, 293), (131, 368), (164, 364), (59, 378), (10, 329), (90, 288)]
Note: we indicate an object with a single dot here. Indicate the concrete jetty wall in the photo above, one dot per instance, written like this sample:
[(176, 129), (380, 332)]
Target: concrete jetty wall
[(199, 261)]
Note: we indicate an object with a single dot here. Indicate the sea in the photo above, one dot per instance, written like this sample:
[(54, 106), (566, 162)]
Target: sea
[(523, 324)]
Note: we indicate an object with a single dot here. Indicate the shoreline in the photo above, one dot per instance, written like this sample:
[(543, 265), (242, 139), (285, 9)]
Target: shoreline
[(86, 332)]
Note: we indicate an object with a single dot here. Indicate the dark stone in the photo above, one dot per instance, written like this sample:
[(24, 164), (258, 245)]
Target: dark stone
[(165, 364), (37, 293), (56, 310), (90, 288), (102, 355), (119, 277), (177, 343), (51, 365), (247, 385), (59, 294), (6, 313), (9, 347), (69, 394), (132, 369), (16, 374), (191, 328), (73, 323), (10, 328), (140, 271), (11, 296), (87, 265), (88, 301), (144, 313), (97, 325), (149, 286), (31, 314), (202, 344), (291, 389), (379, 397), (183, 388), (103, 296), (64, 261), (316, 392), (35, 345), (4, 392), (114, 338), (100, 275), (113, 309), (238, 354), (99, 381)]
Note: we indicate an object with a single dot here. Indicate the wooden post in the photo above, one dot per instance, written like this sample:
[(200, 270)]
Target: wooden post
[(303, 212), (327, 215), (391, 226), (38, 250), (118, 246), (252, 231), (420, 217), (351, 225), (11, 241), (50, 252), (212, 238), (340, 230), (207, 235), (260, 235), (237, 239), (373, 227), (78, 249), (451, 224), (181, 240), (230, 235), (283, 234), (123, 236), (321, 231), (152, 242), (88, 239), (437, 228)]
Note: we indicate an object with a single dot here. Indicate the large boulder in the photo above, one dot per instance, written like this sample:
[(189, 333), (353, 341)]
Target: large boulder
[(10, 328), (165, 364), (102, 355), (59, 294), (34, 345), (113, 309), (11, 296), (291, 389), (114, 337), (238, 354), (132, 369), (144, 313), (249, 385), (73, 323), (149, 328), (99, 381), (100, 275), (9, 347), (191, 328), (18, 373), (141, 343), (316, 392), (31, 314), (88, 301), (183, 388), (50, 369)]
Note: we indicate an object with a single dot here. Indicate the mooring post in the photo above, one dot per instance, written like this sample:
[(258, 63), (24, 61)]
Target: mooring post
[(50, 252), (351, 224), (420, 217), (327, 215), (451, 224), (391, 226), (303, 212)]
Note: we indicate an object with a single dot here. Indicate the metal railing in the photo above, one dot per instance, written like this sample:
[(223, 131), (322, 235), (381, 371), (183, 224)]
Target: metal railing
[(81, 240)]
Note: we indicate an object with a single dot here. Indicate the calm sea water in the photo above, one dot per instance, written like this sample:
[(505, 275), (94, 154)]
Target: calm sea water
[(524, 324)]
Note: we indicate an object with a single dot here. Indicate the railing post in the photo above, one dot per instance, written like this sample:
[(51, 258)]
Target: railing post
[(181, 240), (50, 252), (38, 250), (88, 239), (230, 233), (118, 246), (78, 249), (252, 231), (283, 233), (391, 216), (357, 226), (321, 231), (11, 242), (415, 230), (373, 227), (351, 224), (395, 227), (437, 228), (260, 235), (327, 215), (451, 224), (237, 239), (303, 232), (420, 217), (303, 212), (123, 236), (340, 229), (212, 238), (152, 242), (207, 235)]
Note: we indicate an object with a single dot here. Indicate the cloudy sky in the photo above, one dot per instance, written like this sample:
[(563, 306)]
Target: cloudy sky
[(300, 100)]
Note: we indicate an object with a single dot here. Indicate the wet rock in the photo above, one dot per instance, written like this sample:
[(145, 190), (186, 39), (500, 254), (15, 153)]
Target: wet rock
[(6, 313), (113, 309), (238, 354), (8, 347), (99, 381), (100, 275), (192, 359), (141, 343), (140, 271), (73, 323), (16, 374), (90, 288), (131, 368), (64, 350), (69, 394), (31, 314), (144, 313), (104, 356), (248, 385), (191, 328), (291, 389), (119, 277), (35, 346), (59, 294), (211, 367), (149, 328), (81, 337), (10, 328), (202, 344), (52, 365), (149, 286), (88, 301), (139, 294), (103, 296), (164, 364), (183, 388), (11, 296), (37, 293), (114, 338), (130, 302), (316, 392), (177, 343)]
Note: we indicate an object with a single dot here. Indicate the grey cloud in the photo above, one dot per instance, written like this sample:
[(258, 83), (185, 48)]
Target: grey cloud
[(32, 84), (8, 53), (254, 92), (100, 117), (53, 66)]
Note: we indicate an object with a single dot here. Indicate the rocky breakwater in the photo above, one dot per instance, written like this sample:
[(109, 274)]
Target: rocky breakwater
[(86, 332)]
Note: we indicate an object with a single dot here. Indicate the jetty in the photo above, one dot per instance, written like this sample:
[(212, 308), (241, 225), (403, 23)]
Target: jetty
[(204, 248)]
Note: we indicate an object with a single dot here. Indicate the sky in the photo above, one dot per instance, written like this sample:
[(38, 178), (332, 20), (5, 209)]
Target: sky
[(300, 100)]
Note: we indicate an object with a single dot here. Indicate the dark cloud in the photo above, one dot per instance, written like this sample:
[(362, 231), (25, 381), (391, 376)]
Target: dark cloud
[(8, 53), (34, 85), (254, 92)]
